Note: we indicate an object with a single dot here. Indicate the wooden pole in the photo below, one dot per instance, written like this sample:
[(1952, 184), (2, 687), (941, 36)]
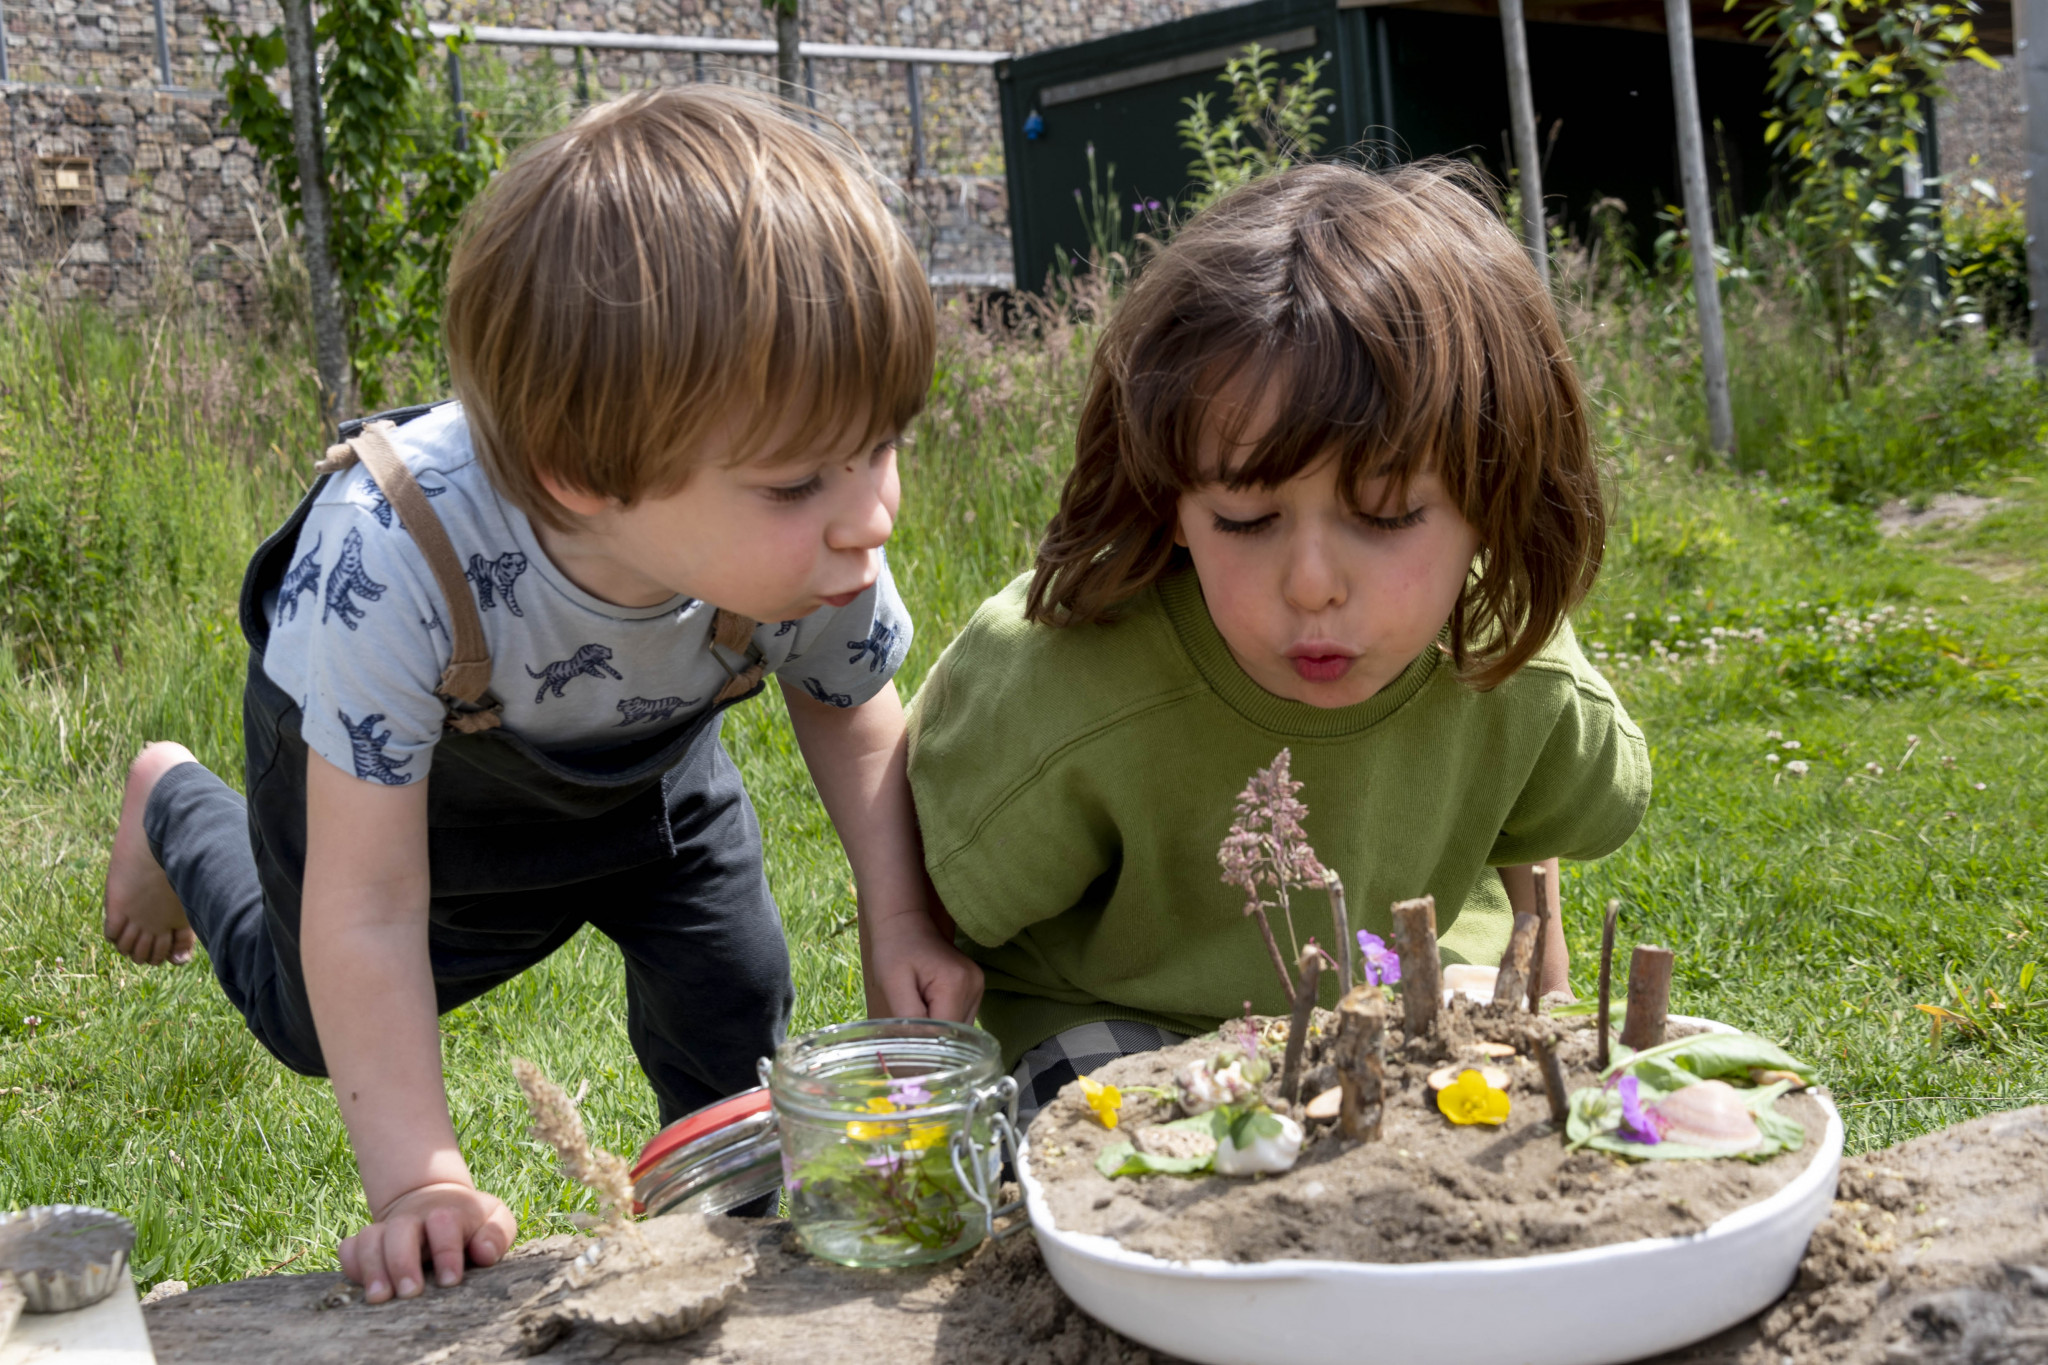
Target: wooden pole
[(1340, 919), (1297, 1027), (316, 215), (1522, 119), (1606, 983), (1512, 985), (1361, 1060), (1422, 976), (2031, 19), (1649, 997), (1553, 1081), (1699, 225)]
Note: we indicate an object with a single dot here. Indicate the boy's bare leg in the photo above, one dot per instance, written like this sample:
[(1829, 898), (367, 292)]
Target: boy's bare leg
[(144, 919)]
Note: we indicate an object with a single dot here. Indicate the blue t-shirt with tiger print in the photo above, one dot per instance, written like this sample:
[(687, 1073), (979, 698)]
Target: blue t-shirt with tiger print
[(359, 633)]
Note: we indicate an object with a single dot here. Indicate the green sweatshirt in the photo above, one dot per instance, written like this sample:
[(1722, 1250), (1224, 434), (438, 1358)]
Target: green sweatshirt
[(1073, 784)]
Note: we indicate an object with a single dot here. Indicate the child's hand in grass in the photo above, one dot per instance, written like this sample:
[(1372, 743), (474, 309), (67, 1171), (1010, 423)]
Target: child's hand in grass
[(911, 969), (449, 1218)]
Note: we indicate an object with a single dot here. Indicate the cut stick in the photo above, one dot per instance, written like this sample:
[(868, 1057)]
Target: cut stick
[(1606, 983), (1513, 982), (1541, 875), (1297, 1027), (1361, 1058), (1553, 1081), (1649, 997), (1340, 919), (1422, 976)]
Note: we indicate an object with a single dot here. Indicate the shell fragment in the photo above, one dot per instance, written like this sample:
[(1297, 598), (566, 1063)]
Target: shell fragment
[(1447, 1075)]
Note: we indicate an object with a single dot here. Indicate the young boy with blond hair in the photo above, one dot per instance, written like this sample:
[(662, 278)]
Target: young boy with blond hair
[(685, 335)]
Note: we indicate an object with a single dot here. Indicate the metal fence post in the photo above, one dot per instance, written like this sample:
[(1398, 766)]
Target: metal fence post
[(2033, 55), (1522, 117), (1699, 226), (810, 83), (916, 120), (455, 100), (3, 45), (163, 46)]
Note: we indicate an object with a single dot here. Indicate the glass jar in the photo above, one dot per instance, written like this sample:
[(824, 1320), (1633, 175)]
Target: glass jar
[(893, 1138)]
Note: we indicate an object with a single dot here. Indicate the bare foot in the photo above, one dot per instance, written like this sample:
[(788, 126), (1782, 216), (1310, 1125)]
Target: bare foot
[(144, 918)]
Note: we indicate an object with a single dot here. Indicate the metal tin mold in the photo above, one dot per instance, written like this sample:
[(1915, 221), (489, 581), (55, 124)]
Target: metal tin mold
[(64, 1256), (718, 1158)]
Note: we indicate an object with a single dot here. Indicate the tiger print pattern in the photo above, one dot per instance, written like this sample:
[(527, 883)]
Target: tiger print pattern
[(348, 578), (587, 661), (651, 710)]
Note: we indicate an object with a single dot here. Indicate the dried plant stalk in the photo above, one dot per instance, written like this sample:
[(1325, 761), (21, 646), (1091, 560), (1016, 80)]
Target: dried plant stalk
[(1340, 920), (1553, 1081), (1361, 1059), (556, 1122), (1541, 876), (1422, 979), (1601, 1060)]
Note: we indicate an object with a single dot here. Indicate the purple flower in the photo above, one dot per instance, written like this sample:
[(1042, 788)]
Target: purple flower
[(1638, 1123), (1382, 964), (908, 1094), (886, 1161)]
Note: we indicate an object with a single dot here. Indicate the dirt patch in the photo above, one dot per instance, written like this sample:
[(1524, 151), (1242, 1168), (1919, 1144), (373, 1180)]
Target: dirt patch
[(1945, 512), (1936, 1254), (1428, 1191)]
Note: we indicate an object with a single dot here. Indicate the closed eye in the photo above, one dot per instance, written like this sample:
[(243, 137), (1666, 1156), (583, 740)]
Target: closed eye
[(1244, 528), (1400, 523), (796, 492)]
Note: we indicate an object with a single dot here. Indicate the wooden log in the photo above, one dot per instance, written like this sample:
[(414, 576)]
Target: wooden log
[(1540, 875), (1601, 1060), (1649, 997), (1361, 1060), (1513, 982), (1297, 1026), (1422, 974), (1553, 1082)]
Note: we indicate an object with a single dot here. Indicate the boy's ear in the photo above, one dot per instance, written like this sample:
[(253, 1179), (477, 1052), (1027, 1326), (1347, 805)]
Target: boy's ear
[(1180, 535), (576, 501)]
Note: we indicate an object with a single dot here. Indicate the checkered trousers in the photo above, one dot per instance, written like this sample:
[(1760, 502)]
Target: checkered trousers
[(1078, 1051)]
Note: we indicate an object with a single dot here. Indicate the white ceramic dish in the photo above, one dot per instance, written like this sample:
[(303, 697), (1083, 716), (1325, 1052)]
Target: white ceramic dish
[(1600, 1306)]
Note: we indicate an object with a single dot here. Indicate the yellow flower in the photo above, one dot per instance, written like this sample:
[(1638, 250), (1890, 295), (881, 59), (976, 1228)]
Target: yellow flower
[(1469, 1099), (880, 1105), (1105, 1100), (923, 1135)]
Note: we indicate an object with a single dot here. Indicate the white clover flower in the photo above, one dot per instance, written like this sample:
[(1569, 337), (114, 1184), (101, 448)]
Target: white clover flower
[(1774, 734), (1797, 767), (1874, 769), (1789, 744), (1980, 786), (1628, 616), (1770, 758)]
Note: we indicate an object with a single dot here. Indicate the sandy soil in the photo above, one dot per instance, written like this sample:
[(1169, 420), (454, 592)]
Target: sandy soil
[(1428, 1191)]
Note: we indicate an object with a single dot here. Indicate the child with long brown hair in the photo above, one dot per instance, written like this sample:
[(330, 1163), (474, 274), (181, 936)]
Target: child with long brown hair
[(1333, 492)]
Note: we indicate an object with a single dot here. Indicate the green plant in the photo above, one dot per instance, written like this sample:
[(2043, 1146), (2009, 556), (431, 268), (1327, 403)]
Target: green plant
[(1986, 257), (399, 185), (1272, 124), (1855, 82)]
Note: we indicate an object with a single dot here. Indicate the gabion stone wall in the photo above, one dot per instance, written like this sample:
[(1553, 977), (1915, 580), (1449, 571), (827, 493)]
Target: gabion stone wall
[(1981, 128), (152, 195)]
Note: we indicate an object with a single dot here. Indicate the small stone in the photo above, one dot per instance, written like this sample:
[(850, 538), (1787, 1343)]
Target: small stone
[(1327, 1105)]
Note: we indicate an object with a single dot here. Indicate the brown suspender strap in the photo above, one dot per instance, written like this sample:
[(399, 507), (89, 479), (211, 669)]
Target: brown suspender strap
[(467, 679), (735, 633)]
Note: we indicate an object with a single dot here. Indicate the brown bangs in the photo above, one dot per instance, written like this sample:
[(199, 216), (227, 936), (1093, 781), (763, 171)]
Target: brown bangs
[(675, 263), (1387, 320)]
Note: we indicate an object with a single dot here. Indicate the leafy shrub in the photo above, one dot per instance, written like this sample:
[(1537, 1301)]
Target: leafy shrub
[(1674, 551), (1809, 510), (1986, 247)]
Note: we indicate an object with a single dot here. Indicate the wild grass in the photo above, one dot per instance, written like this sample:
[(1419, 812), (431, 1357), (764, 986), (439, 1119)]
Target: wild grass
[(139, 466)]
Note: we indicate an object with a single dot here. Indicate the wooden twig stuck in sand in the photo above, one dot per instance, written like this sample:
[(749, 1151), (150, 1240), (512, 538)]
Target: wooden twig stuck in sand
[(1513, 982), (1361, 1059), (1312, 960), (1340, 920), (1649, 997), (1553, 1081), (1422, 978), (1606, 1025), (1541, 875)]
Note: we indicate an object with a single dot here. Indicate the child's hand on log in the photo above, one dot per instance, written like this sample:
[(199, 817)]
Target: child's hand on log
[(449, 1218)]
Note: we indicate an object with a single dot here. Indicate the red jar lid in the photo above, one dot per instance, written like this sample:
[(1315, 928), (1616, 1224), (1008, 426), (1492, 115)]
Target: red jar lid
[(717, 1158)]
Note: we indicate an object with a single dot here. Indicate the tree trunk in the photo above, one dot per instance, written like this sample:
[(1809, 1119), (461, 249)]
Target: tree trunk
[(2033, 44), (1522, 118), (1699, 226), (330, 344), (788, 38)]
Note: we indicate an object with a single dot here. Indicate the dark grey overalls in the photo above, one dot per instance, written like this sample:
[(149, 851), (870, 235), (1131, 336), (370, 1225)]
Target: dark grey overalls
[(653, 842)]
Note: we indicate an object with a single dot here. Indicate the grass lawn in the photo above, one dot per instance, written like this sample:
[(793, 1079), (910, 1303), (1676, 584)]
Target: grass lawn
[(1822, 908)]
